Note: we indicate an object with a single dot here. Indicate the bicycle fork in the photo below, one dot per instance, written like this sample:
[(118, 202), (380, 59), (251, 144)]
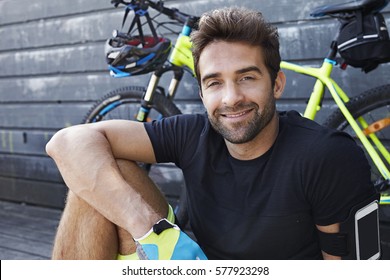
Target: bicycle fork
[(152, 88)]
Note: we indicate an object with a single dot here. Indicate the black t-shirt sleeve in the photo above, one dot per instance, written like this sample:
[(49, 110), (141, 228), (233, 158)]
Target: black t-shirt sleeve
[(338, 177), (174, 139)]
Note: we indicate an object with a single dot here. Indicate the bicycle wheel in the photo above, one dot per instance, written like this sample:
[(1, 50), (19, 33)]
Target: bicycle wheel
[(124, 103), (373, 105)]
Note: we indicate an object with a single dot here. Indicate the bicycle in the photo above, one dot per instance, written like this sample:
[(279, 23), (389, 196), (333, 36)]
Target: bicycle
[(365, 116)]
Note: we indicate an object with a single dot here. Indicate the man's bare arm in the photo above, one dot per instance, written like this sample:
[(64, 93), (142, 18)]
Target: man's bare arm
[(86, 157)]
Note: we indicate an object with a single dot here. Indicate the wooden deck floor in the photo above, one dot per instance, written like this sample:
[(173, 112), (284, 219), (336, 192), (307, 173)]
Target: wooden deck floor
[(26, 232)]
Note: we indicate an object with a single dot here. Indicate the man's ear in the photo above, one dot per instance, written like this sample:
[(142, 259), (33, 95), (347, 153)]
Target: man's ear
[(280, 83)]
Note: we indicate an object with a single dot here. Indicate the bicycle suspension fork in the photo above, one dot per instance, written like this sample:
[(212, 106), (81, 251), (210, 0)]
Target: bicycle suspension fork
[(152, 88)]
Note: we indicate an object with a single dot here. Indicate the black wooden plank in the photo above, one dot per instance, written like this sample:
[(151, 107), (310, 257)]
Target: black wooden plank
[(36, 248), (29, 168), (29, 211), (38, 116), (190, 108), (83, 87), (30, 227), (26, 232), (33, 192), (37, 225), (309, 40), (61, 31), (23, 232), (168, 177), (27, 142), (24, 11), (79, 58), (54, 116), (12, 254)]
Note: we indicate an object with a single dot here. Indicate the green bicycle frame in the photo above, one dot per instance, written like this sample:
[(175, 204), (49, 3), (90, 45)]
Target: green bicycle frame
[(181, 55), (322, 75)]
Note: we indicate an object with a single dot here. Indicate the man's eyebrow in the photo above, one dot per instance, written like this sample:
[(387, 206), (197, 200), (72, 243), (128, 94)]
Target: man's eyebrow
[(210, 76), (249, 69), (240, 71)]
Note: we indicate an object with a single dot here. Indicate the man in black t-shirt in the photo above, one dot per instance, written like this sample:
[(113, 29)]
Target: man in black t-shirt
[(264, 207), (261, 184)]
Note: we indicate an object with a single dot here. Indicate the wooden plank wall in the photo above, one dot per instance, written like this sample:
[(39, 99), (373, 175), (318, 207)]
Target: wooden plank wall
[(53, 69)]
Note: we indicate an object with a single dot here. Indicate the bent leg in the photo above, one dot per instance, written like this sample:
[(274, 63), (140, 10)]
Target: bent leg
[(84, 233)]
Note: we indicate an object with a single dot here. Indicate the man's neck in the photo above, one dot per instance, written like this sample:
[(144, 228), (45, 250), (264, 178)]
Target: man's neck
[(259, 145)]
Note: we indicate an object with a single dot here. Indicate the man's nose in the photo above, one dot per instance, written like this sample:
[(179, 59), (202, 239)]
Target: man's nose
[(232, 95)]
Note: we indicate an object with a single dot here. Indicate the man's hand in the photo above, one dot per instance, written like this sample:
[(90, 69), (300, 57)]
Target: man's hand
[(165, 241)]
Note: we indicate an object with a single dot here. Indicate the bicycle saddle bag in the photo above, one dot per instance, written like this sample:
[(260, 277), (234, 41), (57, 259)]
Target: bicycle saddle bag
[(363, 41)]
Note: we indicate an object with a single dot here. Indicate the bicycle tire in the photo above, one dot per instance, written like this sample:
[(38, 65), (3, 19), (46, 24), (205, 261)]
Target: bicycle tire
[(123, 103), (373, 104)]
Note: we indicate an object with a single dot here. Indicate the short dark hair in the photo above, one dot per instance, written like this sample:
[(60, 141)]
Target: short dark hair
[(236, 24)]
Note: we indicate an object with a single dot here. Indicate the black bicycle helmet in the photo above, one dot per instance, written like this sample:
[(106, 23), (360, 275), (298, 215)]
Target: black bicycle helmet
[(136, 56)]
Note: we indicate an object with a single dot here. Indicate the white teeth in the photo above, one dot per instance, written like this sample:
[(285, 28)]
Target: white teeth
[(235, 115)]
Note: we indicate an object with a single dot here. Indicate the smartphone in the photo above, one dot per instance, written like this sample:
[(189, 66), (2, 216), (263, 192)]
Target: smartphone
[(367, 232)]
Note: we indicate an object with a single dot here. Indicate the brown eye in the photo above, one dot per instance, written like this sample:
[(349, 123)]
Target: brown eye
[(247, 78), (212, 84)]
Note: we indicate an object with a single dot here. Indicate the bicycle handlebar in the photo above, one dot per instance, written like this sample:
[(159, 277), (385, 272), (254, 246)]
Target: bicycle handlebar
[(172, 13)]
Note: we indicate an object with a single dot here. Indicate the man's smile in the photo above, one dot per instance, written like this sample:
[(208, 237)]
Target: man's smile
[(236, 114)]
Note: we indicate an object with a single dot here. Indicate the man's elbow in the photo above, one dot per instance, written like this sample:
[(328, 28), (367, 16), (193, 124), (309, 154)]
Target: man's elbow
[(58, 143)]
